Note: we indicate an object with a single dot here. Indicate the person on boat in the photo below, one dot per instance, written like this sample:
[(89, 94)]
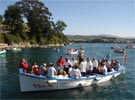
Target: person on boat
[(117, 65), (89, 67), (67, 64), (24, 65), (70, 69), (83, 66), (95, 65), (43, 69), (99, 69), (73, 62), (104, 68), (51, 71), (35, 69), (60, 63), (75, 72), (80, 57), (62, 75)]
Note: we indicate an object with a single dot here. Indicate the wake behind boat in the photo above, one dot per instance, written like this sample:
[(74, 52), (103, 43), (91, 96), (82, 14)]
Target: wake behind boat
[(31, 82)]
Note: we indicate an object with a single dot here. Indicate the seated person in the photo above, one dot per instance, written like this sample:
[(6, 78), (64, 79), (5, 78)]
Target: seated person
[(43, 69), (24, 65), (35, 69)]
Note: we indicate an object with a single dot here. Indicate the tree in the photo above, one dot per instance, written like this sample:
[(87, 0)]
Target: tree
[(37, 16), (59, 27), (1, 19), (13, 19)]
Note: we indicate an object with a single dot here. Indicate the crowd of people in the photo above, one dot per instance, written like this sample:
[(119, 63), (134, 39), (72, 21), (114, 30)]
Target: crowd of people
[(74, 68)]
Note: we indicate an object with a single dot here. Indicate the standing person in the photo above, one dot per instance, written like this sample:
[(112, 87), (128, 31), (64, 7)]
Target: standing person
[(80, 56), (67, 64), (89, 67), (51, 71), (83, 66), (24, 65), (73, 62), (104, 68), (43, 69), (60, 63), (95, 65)]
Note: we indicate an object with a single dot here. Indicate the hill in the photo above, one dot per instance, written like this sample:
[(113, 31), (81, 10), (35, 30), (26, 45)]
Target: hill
[(100, 39)]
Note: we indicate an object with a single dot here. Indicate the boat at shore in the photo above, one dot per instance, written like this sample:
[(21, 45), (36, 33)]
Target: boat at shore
[(2, 52), (30, 82)]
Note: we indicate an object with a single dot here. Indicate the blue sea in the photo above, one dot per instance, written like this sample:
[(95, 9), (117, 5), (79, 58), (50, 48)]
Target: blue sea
[(120, 88)]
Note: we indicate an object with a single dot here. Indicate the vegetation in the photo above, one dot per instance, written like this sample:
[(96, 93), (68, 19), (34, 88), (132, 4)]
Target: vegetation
[(100, 39), (31, 20)]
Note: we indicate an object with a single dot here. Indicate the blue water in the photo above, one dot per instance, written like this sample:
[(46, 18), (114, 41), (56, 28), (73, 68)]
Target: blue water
[(121, 88)]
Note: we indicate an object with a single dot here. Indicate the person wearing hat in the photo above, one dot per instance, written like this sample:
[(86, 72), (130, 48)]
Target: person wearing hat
[(43, 69)]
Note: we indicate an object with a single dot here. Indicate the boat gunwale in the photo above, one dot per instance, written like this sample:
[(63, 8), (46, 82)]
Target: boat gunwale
[(72, 79)]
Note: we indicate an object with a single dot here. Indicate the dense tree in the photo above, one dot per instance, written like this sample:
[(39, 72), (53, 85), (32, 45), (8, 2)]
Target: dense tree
[(13, 19), (1, 19), (60, 26), (32, 19), (37, 16)]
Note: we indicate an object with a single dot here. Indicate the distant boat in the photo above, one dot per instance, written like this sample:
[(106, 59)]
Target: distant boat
[(15, 49), (120, 50), (2, 52), (71, 51), (130, 47), (56, 49), (114, 47), (31, 82)]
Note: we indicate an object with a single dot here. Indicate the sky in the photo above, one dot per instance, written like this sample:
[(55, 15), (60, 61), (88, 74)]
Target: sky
[(91, 17)]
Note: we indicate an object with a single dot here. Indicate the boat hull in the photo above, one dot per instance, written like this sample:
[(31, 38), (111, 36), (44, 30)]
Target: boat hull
[(30, 82)]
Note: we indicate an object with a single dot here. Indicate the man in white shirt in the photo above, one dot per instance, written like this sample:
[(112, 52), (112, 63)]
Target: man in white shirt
[(89, 67), (67, 64), (83, 66), (51, 71), (95, 65)]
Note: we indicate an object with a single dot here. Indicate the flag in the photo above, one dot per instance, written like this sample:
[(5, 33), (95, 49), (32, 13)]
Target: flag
[(108, 56), (125, 57)]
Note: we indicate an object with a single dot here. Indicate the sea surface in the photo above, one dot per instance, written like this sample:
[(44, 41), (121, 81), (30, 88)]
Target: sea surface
[(121, 88)]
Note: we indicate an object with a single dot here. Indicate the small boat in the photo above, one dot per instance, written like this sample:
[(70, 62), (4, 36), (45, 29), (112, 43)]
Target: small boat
[(31, 82), (56, 49), (71, 51), (114, 47), (15, 49), (130, 47), (2, 52), (120, 50)]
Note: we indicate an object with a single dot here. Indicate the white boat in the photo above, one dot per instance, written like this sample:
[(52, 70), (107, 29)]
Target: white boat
[(31, 82), (15, 49), (2, 52), (71, 51), (130, 47)]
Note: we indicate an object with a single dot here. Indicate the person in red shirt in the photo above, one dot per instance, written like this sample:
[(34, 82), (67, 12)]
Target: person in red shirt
[(24, 65), (60, 62)]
